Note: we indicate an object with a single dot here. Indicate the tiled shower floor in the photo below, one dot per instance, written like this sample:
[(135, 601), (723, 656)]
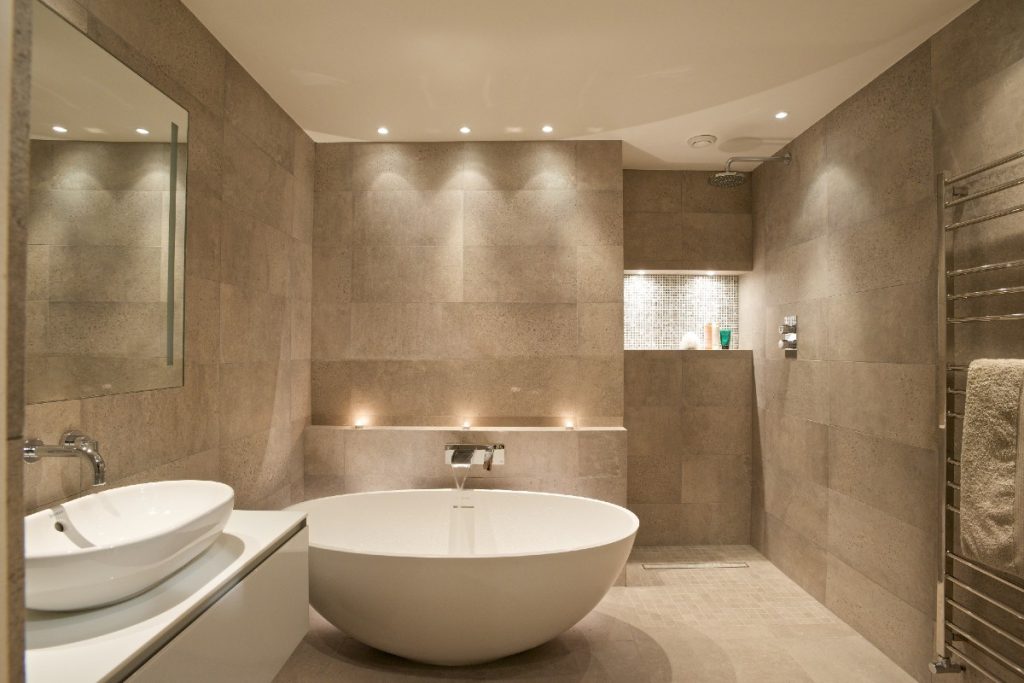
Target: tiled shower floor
[(697, 625)]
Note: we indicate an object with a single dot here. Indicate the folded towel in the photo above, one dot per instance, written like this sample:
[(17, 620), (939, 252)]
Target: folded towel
[(992, 465)]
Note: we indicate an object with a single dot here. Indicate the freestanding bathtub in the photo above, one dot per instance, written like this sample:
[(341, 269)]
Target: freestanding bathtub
[(453, 578)]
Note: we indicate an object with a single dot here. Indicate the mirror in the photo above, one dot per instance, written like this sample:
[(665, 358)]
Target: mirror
[(106, 226)]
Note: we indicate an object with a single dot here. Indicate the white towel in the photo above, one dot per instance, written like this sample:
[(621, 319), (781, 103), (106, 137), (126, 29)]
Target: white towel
[(992, 465)]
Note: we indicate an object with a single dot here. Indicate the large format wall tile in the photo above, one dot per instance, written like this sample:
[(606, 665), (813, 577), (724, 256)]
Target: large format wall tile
[(689, 416), (479, 280), (674, 220), (885, 399)]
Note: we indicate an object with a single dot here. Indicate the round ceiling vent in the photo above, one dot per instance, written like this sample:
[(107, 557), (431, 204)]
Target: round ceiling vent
[(698, 141)]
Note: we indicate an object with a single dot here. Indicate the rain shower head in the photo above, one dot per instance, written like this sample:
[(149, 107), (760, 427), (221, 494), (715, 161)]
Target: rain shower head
[(731, 178)]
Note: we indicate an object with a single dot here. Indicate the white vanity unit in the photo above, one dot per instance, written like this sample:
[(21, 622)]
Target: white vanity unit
[(235, 613)]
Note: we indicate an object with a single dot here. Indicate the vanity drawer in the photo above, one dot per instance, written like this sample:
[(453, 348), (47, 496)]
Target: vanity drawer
[(250, 632)]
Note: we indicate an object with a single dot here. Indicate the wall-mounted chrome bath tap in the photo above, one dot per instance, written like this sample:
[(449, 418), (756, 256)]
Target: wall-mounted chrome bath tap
[(466, 454), (72, 445)]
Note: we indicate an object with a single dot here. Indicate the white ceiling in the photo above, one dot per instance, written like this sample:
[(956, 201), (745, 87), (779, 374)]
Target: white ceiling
[(80, 86), (650, 72)]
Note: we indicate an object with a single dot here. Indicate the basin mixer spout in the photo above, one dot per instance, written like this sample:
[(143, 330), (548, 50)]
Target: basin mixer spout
[(72, 444)]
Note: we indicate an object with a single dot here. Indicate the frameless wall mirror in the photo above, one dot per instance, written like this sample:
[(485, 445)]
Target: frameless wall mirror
[(106, 228)]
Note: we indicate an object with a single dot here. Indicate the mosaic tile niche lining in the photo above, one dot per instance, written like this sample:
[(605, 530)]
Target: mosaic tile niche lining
[(660, 309)]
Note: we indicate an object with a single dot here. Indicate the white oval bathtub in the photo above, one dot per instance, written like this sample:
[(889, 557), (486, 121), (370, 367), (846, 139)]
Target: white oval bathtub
[(423, 576)]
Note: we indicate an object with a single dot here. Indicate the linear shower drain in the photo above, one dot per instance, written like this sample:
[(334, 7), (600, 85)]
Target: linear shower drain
[(695, 565)]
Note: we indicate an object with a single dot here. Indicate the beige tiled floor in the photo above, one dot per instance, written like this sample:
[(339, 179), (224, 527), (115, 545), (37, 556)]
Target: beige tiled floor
[(696, 625)]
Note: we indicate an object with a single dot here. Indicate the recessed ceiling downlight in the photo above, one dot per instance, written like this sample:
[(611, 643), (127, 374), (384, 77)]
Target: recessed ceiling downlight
[(60, 129), (465, 130), (383, 130), (781, 115), (142, 131), (699, 141), (547, 129)]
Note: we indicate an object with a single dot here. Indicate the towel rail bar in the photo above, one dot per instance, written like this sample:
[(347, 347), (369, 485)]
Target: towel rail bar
[(985, 292), (1009, 211), (985, 622), (985, 318), (977, 643), (984, 167), (990, 651), (971, 564), (974, 665), (986, 192), (1018, 263), (987, 598)]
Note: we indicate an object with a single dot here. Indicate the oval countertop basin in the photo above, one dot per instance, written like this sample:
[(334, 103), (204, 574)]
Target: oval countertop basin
[(109, 546)]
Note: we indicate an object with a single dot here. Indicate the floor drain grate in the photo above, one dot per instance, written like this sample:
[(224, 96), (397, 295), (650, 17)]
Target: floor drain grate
[(695, 565)]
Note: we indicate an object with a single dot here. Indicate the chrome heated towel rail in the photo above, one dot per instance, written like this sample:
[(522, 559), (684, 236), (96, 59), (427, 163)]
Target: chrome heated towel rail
[(980, 612)]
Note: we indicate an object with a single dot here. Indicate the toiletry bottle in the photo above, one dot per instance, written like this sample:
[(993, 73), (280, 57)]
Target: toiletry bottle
[(707, 336), (714, 336)]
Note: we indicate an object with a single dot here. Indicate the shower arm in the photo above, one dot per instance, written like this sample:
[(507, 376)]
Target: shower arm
[(784, 158)]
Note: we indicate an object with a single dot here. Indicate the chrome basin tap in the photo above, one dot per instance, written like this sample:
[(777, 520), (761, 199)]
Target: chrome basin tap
[(72, 444)]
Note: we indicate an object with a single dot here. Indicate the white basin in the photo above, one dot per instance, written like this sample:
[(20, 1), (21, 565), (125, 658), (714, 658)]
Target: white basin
[(110, 546)]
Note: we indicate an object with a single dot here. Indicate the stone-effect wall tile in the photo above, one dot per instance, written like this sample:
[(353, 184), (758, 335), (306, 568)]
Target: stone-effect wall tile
[(251, 111), (599, 165), (406, 274), (600, 330), (330, 391), (798, 273), (600, 274), (899, 557), (503, 330), (659, 191), (891, 325), (520, 218), (519, 166), (598, 217), (700, 197), (802, 560), (884, 399), (411, 218), (417, 246), (688, 415), (894, 249), (396, 331), (519, 274), (895, 627), (716, 241), (254, 184), (182, 47), (904, 481), (653, 240), (983, 40), (413, 166)]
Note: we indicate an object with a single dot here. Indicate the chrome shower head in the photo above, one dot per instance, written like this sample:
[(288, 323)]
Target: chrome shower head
[(727, 179), (731, 178)]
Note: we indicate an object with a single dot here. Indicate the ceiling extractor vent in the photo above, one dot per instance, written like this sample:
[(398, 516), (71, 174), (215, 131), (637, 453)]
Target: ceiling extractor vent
[(699, 141)]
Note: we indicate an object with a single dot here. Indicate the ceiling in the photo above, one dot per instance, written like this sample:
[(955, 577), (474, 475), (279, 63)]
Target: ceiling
[(652, 73), (78, 85)]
